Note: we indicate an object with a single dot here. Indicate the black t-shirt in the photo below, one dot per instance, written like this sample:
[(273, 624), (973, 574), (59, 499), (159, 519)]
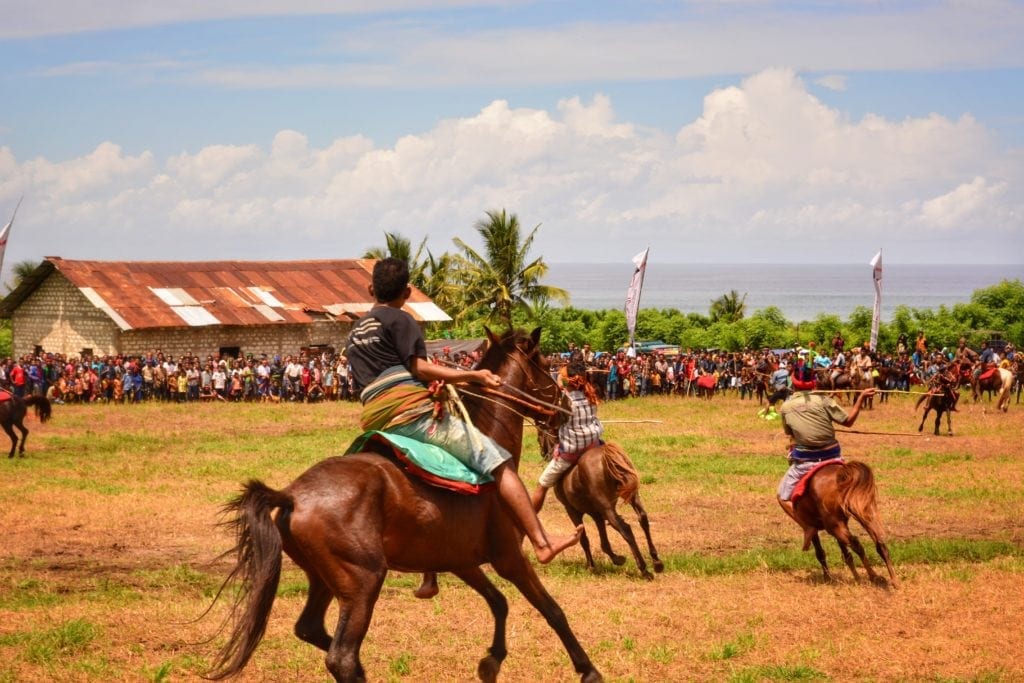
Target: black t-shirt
[(383, 338)]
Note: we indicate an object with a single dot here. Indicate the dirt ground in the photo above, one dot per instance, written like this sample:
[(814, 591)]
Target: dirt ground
[(110, 521)]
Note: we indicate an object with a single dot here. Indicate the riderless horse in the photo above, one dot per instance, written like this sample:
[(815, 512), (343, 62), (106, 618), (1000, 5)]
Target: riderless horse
[(12, 414)]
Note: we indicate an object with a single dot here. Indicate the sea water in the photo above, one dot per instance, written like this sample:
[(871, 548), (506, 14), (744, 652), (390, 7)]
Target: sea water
[(801, 292)]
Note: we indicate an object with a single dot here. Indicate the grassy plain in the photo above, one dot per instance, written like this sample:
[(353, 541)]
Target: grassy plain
[(110, 546)]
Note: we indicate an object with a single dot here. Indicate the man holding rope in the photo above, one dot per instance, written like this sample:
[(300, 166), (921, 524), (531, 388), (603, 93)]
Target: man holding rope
[(808, 420)]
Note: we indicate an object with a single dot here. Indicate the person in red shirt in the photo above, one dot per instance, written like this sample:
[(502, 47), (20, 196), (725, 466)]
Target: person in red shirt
[(18, 379)]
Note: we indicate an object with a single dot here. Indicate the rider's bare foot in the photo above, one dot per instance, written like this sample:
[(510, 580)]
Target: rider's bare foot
[(555, 546), (428, 587)]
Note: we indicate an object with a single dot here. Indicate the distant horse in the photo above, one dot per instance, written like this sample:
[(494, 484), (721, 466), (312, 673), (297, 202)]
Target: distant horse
[(824, 381), (836, 492), (347, 521), (941, 397), (12, 414), (999, 382), (602, 476)]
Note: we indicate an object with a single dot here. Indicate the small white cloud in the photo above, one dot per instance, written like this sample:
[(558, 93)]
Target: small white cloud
[(832, 82)]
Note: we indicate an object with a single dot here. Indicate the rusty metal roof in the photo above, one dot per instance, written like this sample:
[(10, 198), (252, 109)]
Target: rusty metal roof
[(152, 294)]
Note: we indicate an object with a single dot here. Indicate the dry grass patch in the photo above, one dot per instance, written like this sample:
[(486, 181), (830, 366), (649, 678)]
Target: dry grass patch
[(111, 542)]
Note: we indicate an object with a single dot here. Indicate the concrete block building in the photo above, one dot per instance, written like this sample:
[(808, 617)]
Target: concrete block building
[(203, 308)]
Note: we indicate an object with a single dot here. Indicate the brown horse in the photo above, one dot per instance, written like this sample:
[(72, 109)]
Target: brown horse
[(602, 476), (836, 492), (12, 414), (941, 397), (348, 520)]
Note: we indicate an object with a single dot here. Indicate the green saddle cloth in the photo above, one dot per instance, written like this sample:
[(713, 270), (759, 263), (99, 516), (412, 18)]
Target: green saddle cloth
[(431, 463)]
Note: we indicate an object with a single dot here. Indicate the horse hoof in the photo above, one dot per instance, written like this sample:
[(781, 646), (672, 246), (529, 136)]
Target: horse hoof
[(618, 560), (647, 575), (659, 566), (487, 669), (592, 676)]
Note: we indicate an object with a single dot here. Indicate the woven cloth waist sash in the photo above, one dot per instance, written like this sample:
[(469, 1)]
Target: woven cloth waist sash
[(394, 398), (797, 454)]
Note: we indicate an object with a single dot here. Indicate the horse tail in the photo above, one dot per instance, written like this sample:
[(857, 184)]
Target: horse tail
[(620, 468), (43, 408), (856, 483), (257, 571), (924, 397)]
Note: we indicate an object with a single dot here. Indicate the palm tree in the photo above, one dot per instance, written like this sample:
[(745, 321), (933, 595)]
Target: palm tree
[(441, 285), (21, 270), (401, 248), (729, 307), (502, 280)]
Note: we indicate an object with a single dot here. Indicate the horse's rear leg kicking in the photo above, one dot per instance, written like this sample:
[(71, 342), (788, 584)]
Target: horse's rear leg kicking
[(645, 524), (488, 668)]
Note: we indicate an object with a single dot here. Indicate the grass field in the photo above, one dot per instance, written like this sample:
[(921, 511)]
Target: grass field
[(110, 548)]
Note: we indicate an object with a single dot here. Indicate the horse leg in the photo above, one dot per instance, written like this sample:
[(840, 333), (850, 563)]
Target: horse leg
[(24, 437), (488, 667), (938, 419), (819, 553), (310, 625), (357, 589), (842, 535), (645, 524), (9, 428), (859, 549), (577, 519), (949, 421), (620, 525), (927, 409), (512, 566), (606, 546)]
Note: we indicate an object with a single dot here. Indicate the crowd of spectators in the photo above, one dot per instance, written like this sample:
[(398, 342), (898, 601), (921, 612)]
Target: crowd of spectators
[(324, 376)]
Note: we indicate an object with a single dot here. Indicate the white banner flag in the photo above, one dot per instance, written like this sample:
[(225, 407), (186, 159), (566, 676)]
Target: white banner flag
[(633, 294), (876, 264), (5, 234)]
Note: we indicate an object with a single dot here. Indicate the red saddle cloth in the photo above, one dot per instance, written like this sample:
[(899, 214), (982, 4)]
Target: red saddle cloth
[(706, 381), (801, 486), (987, 374), (5, 395)]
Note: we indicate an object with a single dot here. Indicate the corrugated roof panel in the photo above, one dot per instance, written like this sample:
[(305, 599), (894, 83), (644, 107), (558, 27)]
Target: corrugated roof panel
[(266, 297), (428, 311), (269, 313), (174, 296), (195, 316)]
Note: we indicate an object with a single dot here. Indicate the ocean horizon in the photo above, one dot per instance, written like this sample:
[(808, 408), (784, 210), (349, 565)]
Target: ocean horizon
[(800, 291)]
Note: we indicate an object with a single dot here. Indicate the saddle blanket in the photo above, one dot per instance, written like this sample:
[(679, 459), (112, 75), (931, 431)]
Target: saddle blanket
[(706, 382), (801, 486), (988, 374), (5, 395), (428, 462)]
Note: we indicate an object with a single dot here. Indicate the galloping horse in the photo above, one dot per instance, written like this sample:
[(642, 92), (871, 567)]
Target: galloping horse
[(12, 414), (347, 520), (836, 492), (1000, 382), (941, 397), (602, 476)]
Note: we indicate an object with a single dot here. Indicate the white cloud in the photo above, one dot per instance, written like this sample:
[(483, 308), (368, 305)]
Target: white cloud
[(764, 166), (832, 82)]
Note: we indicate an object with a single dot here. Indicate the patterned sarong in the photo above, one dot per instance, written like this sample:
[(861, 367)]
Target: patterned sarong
[(394, 398)]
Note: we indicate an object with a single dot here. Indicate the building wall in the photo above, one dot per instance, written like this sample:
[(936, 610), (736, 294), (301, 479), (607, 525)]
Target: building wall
[(58, 317), (257, 339)]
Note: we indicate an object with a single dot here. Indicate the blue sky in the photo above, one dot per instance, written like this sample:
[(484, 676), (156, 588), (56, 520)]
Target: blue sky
[(710, 131)]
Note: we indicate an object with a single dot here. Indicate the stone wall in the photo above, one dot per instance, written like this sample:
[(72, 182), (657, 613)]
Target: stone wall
[(58, 317)]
